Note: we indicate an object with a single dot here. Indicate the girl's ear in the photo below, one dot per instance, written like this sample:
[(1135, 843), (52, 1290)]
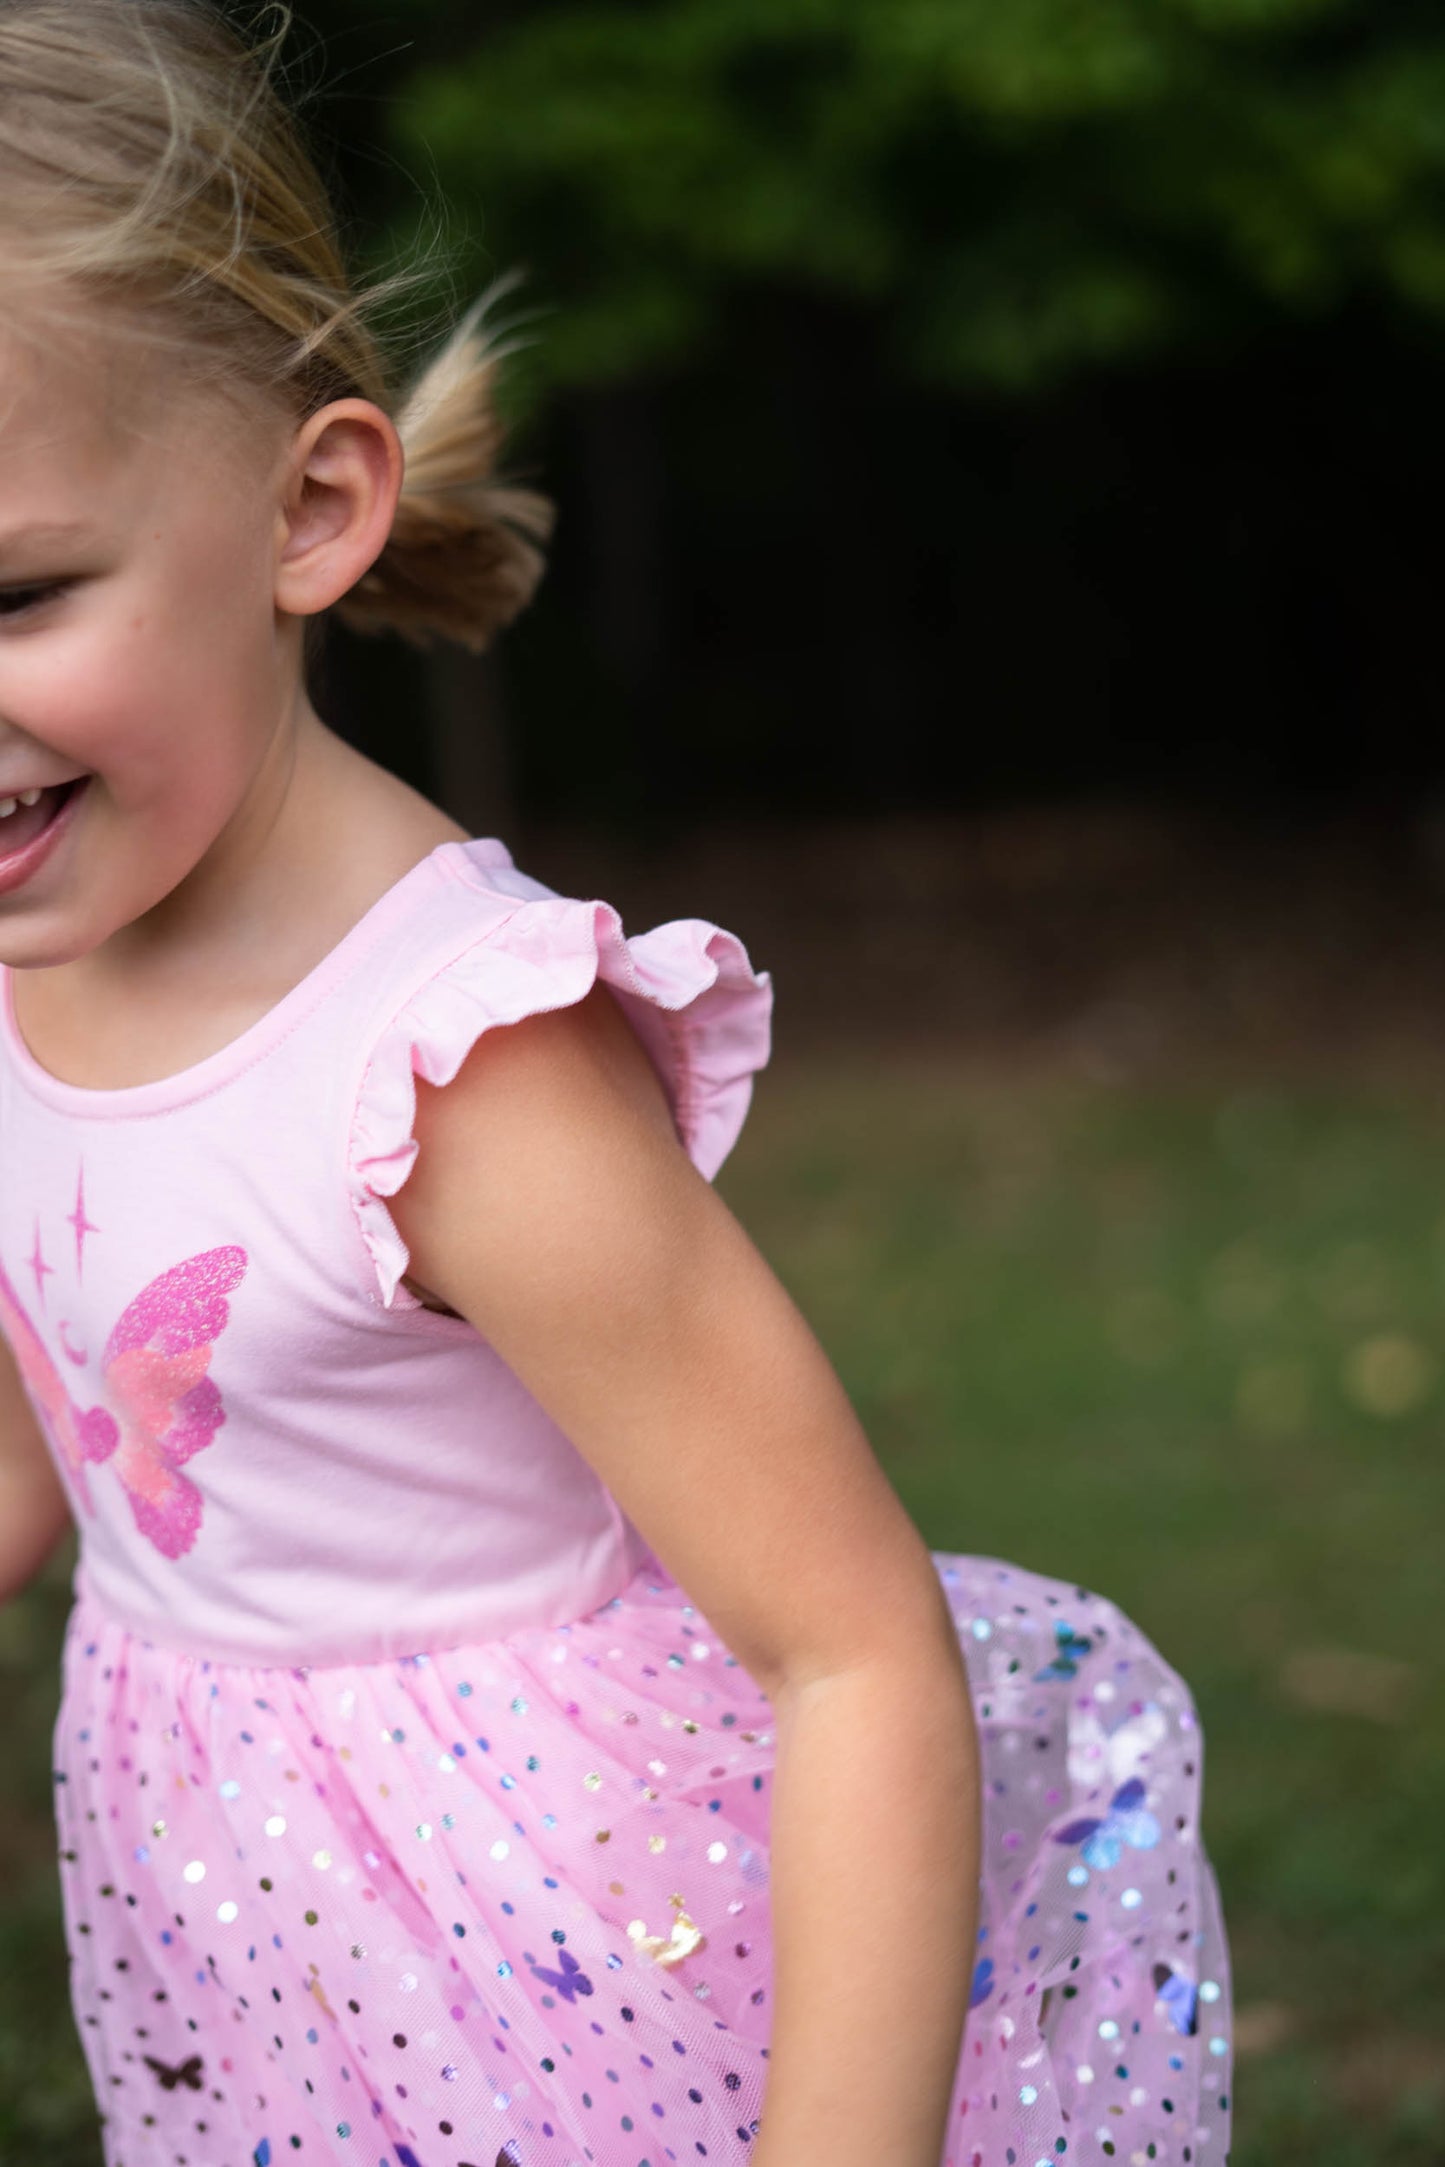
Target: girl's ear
[(341, 486)]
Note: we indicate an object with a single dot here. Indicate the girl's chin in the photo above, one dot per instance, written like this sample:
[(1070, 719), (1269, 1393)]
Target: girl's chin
[(84, 868)]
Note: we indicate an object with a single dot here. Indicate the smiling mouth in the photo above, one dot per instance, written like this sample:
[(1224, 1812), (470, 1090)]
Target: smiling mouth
[(27, 823)]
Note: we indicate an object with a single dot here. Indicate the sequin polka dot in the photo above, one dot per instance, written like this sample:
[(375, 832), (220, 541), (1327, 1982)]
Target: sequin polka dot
[(508, 1903)]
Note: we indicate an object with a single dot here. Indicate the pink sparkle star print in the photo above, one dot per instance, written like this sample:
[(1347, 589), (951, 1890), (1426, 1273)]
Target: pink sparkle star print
[(82, 1225), (39, 1267)]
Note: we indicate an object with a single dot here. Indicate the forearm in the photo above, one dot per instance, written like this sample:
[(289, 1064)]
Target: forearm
[(33, 1518), (875, 1861)]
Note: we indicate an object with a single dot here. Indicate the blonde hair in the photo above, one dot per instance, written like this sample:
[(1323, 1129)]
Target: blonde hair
[(148, 163)]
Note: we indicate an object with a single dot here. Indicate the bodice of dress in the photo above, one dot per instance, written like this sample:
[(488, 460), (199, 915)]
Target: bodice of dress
[(274, 1453)]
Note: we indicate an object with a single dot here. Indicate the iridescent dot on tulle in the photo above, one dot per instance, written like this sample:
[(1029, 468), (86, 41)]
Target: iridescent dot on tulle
[(556, 1929)]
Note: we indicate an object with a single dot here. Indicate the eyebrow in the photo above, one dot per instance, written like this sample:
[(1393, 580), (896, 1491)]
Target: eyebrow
[(30, 541)]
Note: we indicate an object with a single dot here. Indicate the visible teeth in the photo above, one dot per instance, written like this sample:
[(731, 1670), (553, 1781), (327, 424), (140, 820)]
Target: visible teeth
[(30, 797), (7, 807)]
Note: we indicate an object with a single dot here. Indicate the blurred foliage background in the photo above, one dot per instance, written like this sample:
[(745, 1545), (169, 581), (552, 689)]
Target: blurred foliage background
[(944, 399), (999, 470)]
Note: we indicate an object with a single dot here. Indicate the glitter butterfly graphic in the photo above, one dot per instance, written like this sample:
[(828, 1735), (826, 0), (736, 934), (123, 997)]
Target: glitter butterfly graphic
[(1178, 1997), (1069, 1651), (1126, 1822), (189, 2073), (569, 1982), (163, 1408)]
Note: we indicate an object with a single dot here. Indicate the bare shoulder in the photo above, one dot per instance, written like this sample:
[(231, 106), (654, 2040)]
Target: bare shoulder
[(539, 1104), (562, 1060), (370, 826)]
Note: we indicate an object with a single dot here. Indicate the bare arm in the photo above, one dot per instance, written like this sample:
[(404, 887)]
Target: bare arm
[(552, 1205), (34, 1513)]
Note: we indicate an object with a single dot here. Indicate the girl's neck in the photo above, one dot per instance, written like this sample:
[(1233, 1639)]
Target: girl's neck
[(319, 840)]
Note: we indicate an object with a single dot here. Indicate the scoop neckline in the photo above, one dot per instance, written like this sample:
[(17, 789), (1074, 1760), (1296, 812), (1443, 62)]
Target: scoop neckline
[(258, 1038)]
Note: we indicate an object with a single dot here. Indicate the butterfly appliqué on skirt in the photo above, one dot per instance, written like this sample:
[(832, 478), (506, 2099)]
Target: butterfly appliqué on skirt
[(1103, 1836), (188, 2073), (569, 1982)]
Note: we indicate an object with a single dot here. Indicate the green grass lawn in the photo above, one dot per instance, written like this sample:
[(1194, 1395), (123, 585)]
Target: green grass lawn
[(1182, 1346)]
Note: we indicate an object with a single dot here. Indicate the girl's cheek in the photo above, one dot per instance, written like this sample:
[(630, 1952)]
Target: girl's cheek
[(69, 708), (96, 695)]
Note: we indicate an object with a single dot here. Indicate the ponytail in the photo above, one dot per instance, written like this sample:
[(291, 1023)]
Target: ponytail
[(465, 553)]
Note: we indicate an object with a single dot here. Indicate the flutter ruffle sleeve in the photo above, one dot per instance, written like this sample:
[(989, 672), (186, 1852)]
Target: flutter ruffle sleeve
[(701, 1010)]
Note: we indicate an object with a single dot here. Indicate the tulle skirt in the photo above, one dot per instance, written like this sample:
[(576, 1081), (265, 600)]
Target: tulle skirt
[(506, 1905)]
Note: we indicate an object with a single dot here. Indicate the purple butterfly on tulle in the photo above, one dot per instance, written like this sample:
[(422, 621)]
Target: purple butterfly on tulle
[(982, 1982), (1069, 1651), (569, 1982), (1178, 1997), (1103, 1839)]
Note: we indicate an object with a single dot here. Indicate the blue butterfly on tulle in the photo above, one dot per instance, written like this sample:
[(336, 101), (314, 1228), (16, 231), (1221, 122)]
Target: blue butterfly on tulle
[(982, 1982), (1070, 1648), (569, 1982), (1178, 1997), (1104, 1837)]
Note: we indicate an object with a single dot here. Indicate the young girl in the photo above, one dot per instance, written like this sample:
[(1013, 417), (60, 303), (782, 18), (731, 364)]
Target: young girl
[(508, 1718)]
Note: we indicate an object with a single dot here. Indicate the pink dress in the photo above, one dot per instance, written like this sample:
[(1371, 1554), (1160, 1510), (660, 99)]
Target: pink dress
[(409, 1813)]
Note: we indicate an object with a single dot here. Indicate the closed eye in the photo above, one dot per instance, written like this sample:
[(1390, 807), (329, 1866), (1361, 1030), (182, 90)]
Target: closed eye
[(19, 601)]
